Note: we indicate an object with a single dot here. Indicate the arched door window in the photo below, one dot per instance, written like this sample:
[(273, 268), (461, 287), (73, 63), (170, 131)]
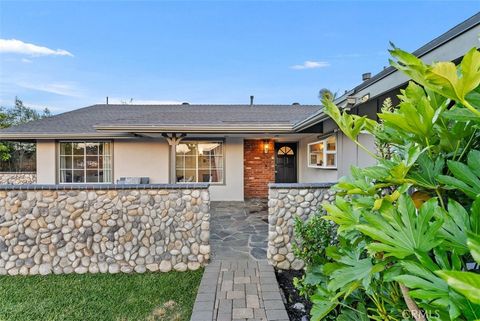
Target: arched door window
[(285, 150)]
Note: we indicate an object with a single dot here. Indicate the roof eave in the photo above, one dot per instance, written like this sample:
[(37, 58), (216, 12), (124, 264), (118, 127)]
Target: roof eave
[(44, 136), (196, 128), (310, 121)]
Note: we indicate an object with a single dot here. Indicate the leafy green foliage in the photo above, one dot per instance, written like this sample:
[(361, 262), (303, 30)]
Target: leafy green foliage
[(14, 154), (313, 236), (412, 221), (466, 283), (466, 176), (401, 232)]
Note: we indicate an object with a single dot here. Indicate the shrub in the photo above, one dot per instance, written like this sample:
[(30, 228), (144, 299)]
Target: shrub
[(312, 236), (408, 226)]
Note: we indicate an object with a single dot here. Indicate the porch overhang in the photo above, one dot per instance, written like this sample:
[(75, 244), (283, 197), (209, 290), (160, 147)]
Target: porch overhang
[(201, 129)]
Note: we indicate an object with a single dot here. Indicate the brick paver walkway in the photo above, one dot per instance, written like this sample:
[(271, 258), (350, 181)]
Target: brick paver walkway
[(239, 290), (238, 284)]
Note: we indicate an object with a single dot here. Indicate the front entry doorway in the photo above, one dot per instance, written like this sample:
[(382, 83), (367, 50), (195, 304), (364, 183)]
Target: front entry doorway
[(285, 162)]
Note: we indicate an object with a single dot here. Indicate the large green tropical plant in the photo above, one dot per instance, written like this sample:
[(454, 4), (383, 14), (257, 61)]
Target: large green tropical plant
[(409, 227)]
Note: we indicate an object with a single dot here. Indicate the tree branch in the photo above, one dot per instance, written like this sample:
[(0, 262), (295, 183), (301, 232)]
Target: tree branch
[(415, 311)]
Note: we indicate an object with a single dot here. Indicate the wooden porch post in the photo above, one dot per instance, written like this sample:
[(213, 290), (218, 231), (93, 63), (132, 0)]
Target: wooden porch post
[(173, 140)]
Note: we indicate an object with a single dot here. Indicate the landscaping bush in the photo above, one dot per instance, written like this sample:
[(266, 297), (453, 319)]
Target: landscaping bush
[(408, 226), (312, 238)]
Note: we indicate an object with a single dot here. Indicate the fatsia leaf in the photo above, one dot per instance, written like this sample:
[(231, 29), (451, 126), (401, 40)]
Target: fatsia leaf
[(474, 97), (427, 170), (466, 283), (473, 243), (409, 64), (322, 304), (444, 76), (406, 233), (428, 288), (466, 176), (461, 114), (357, 314), (351, 125), (455, 227), (355, 271), (342, 213), (475, 216), (470, 68)]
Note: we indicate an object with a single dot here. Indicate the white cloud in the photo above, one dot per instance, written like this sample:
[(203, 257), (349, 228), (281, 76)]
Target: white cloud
[(20, 47), (62, 89), (26, 61), (310, 64)]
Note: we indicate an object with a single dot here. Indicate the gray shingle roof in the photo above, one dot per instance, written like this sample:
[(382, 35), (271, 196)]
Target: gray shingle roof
[(86, 120)]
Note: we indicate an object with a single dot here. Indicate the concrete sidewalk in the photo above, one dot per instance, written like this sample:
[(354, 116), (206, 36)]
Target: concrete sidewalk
[(233, 290)]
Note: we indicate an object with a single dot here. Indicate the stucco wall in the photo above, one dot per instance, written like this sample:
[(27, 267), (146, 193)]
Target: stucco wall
[(308, 174), (136, 158), (452, 50), (46, 162), (232, 190), (141, 158)]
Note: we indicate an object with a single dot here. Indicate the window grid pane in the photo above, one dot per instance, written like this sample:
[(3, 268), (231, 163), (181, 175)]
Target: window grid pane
[(85, 162), (199, 162), (323, 153)]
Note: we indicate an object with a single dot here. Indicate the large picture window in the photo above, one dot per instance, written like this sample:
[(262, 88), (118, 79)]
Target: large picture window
[(85, 162), (199, 162), (323, 154)]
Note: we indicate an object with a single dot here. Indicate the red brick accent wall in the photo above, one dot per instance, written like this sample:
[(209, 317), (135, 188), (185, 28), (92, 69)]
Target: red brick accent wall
[(258, 168)]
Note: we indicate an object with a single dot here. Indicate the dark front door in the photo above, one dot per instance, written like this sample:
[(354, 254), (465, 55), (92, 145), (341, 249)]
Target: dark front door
[(285, 162)]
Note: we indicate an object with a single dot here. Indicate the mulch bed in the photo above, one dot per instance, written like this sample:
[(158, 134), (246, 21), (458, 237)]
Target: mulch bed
[(285, 281)]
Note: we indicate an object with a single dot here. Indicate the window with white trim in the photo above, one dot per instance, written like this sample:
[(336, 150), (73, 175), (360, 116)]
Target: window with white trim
[(323, 153), (197, 162), (85, 162)]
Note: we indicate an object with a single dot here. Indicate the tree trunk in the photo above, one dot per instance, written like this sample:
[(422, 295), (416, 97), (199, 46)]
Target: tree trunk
[(415, 311)]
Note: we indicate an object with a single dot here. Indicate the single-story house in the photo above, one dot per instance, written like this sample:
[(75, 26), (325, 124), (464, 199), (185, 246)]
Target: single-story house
[(238, 149)]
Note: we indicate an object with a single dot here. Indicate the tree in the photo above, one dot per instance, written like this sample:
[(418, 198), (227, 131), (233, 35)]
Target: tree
[(326, 93), (12, 154)]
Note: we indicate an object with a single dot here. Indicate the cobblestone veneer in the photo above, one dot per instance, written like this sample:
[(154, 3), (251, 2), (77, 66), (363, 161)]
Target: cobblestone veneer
[(103, 229), (285, 201), (18, 178)]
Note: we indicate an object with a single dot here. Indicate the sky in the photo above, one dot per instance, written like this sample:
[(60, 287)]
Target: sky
[(64, 54)]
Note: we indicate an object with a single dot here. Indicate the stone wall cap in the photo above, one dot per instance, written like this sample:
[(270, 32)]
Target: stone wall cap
[(16, 173), (300, 185), (69, 187)]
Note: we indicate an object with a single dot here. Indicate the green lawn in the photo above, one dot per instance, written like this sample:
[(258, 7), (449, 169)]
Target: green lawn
[(119, 297)]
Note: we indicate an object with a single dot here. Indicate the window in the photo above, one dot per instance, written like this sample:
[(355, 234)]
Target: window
[(198, 162), (85, 162), (323, 154), (285, 150)]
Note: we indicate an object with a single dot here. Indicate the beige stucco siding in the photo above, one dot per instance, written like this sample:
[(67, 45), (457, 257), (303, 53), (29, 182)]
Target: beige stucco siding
[(46, 162), (136, 158), (232, 190), (449, 51)]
